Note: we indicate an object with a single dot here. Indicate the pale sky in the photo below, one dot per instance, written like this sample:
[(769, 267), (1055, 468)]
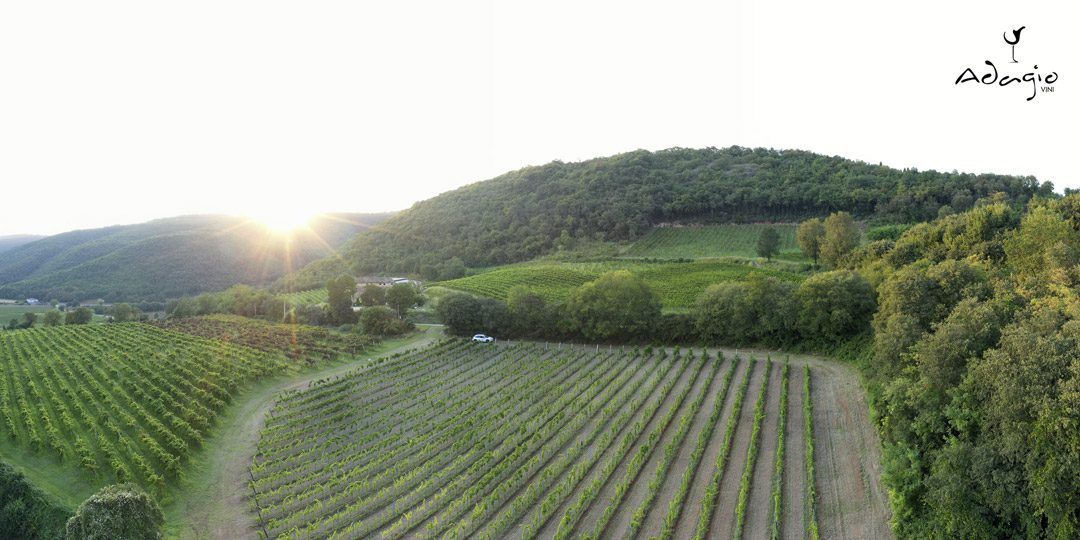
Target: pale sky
[(121, 112)]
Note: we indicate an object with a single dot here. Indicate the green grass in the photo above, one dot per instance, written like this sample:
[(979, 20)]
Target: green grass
[(678, 284), (707, 241)]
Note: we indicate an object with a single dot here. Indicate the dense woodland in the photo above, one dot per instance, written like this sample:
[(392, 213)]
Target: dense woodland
[(537, 210), (167, 258), (975, 371)]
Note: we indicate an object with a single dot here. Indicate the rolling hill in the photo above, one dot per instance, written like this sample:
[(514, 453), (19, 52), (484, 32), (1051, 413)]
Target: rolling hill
[(168, 258), (15, 240), (535, 211)]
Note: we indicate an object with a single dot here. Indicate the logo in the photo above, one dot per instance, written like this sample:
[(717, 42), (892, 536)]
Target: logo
[(1038, 81)]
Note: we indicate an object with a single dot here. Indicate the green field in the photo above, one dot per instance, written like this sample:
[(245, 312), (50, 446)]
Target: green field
[(706, 241), (9, 312), (678, 284)]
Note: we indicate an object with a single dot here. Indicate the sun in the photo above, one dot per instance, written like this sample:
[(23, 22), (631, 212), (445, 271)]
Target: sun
[(282, 221)]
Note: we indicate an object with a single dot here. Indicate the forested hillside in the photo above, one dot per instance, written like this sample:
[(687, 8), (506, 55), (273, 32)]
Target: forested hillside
[(975, 371), (533, 211), (168, 257)]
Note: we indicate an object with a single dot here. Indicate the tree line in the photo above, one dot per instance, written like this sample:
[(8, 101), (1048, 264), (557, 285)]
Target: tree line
[(619, 306), (384, 309)]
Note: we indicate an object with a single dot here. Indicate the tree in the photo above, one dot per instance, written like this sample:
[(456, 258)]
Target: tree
[(53, 318), (723, 314), (768, 244), (372, 295), (834, 305), (452, 269), (810, 234), (382, 321), (339, 293), (402, 297), (82, 315), (529, 313), (841, 236), (125, 313), (117, 511), (25, 511), (618, 305), (460, 313), (761, 310), (29, 318)]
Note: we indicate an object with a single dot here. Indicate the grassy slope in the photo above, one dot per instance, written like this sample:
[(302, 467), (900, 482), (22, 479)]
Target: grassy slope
[(8, 312), (738, 240), (213, 498), (678, 284)]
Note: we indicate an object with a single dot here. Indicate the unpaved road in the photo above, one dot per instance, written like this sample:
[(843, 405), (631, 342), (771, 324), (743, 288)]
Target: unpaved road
[(852, 502)]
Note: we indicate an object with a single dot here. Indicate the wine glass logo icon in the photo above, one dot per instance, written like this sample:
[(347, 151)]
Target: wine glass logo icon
[(1015, 39)]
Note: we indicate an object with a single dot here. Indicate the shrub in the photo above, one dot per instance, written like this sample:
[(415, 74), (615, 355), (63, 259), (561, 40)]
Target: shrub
[(118, 511)]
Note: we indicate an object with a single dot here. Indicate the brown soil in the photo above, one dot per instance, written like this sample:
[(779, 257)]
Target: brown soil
[(851, 499)]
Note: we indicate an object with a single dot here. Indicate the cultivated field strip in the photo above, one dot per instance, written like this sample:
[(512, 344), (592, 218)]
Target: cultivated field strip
[(122, 402), (710, 240), (795, 499), (533, 440)]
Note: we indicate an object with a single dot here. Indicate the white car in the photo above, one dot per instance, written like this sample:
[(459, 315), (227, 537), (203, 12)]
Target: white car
[(481, 338)]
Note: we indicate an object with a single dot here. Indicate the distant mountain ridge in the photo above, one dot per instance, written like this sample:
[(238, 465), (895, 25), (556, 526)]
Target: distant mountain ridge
[(167, 258), (534, 211), (15, 240)]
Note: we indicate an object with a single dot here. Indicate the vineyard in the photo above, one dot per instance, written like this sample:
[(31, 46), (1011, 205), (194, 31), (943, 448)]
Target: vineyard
[(677, 284), (296, 341), (305, 298), (706, 241), (533, 440), (118, 402)]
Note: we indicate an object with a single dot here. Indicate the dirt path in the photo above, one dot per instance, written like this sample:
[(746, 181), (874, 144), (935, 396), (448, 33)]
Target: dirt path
[(759, 509), (214, 499), (794, 496), (723, 520), (851, 499), (691, 513), (654, 520)]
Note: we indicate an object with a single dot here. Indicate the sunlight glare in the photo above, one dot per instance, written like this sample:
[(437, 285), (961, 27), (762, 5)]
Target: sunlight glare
[(282, 221)]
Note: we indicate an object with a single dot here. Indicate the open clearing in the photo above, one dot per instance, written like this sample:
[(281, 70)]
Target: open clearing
[(532, 440)]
